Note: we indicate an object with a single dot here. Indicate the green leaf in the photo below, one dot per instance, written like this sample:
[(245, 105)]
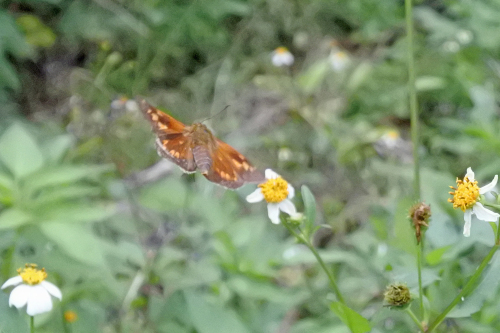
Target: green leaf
[(55, 148), (474, 301), (310, 208), (355, 322), (8, 75), (13, 218), (6, 187), (11, 320), (75, 213), (212, 317), (60, 195), (19, 151), (435, 256), (6, 181), (314, 76), (37, 33), (64, 175), (76, 240), (12, 39), (405, 239)]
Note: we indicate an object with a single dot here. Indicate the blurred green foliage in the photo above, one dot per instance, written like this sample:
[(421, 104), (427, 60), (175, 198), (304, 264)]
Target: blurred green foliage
[(179, 254)]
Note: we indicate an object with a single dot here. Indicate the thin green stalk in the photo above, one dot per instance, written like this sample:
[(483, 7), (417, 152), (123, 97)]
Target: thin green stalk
[(301, 238), (419, 269), (413, 97), (415, 319), (471, 284), (32, 324), (414, 132)]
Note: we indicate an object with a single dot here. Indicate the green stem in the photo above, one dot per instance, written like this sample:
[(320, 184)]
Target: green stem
[(414, 132), (471, 284), (302, 239), (419, 269), (413, 96), (415, 319), (32, 324)]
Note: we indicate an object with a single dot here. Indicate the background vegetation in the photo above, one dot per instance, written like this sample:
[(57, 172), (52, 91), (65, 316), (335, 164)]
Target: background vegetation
[(136, 248)]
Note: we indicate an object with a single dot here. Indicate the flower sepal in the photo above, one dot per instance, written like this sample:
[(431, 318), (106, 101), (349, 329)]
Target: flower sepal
[(295, 220)]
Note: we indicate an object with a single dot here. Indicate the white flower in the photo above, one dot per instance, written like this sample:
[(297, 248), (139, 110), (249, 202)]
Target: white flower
[(277, 193), (339, 60), (32, 290), (282, 57), (467, 196)]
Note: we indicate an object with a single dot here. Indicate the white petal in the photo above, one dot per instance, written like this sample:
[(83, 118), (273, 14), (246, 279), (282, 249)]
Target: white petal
[(52, 289), (291, 191), (270, 174), (276, 60), (39, 301), (273, 212), (19, 296), (484, 214), (467, 219), (282, 59), (489, 187), (288, 207), (255, 196), (13, 281), (470, 174)]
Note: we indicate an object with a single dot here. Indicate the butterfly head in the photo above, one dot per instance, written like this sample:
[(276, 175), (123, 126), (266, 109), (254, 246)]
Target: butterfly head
[(201, 134)]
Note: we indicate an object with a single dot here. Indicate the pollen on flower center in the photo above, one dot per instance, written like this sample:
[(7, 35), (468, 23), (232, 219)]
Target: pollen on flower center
[(274, 190), (31, 275), (465, 195), (281, 50)]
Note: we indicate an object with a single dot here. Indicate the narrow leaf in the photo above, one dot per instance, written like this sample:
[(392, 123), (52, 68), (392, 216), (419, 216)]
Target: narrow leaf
[(13, 218), (77, 241), (355, 322), (19, 151), (212, 317), (310, 208)]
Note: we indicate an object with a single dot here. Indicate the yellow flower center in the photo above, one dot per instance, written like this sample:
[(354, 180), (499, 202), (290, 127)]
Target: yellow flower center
[(393, 134), (466, 194), (281, 50), (31, 275), (274, 190)]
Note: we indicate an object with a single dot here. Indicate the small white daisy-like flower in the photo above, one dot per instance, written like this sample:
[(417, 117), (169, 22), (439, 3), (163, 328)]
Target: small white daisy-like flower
[(32, 290), (277, 193), (467, 197), (391, 139), (339, 60), (282, 57)]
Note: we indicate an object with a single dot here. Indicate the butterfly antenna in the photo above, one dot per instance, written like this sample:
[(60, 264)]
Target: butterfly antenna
[(227, 106)]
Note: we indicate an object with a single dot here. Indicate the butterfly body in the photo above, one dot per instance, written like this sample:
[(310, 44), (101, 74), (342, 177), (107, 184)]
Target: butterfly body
[(196, 148)]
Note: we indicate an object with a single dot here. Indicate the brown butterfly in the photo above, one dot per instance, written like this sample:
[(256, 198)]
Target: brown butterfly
[(196, 148)]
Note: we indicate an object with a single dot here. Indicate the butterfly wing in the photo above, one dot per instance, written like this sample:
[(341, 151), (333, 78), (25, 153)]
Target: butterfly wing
[(172, 143), (230, 168)]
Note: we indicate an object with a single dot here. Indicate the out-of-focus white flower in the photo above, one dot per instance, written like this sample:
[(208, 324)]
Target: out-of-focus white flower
[(451, 46), (123, 103), (390, 139), (339, 60), (467, 197), (277, 193), (32, 290), (464, 36), (282, 57), (392, 145)]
